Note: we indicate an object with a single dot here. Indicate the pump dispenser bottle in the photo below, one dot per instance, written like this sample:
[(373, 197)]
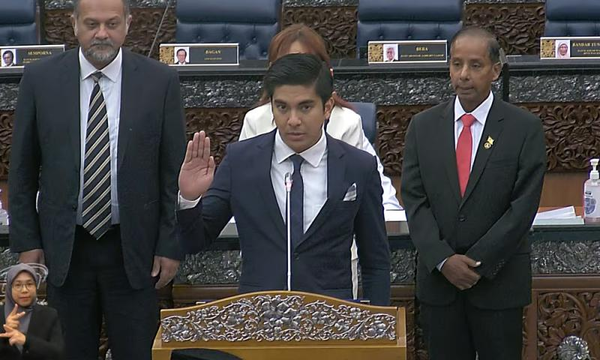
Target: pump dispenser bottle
[(591, 195)]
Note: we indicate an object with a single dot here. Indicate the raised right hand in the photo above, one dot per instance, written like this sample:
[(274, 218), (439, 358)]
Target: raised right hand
[(32, 256), (458, 269), (198, 168), (13, 319)]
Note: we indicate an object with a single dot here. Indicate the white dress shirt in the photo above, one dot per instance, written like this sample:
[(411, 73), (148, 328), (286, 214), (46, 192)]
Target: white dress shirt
[(344, 124), (480, 114), (110, 84), (314, 176)]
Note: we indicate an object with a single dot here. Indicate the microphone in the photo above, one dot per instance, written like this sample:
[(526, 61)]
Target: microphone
[(288, 190), (160, 24)]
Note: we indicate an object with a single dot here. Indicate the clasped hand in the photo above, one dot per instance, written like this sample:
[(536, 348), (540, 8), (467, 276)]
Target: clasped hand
[(458, 269)]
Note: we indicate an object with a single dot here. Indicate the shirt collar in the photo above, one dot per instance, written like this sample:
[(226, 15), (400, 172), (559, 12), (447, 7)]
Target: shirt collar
[(480, 113), (312, 155), (111, 71)]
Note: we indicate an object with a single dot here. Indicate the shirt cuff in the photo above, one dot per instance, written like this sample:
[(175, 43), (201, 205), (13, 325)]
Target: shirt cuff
[(185, 204), (440, 265)]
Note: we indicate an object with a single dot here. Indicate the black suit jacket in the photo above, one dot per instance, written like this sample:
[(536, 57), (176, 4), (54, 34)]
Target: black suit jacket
[(46, 153), (321, 260), (44, 339), (490, 223)]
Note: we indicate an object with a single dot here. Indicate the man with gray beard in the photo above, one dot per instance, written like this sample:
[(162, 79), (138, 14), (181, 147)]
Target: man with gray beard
[(99, 132)]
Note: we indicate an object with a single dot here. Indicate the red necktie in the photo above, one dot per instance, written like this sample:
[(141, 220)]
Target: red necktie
[(464, 148)]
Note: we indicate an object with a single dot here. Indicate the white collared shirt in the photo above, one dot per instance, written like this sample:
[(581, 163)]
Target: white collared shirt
[(110, 84), (314, 176), (480, 114)]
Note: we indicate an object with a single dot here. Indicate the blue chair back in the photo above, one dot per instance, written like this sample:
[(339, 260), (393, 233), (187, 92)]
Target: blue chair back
[(572, 18), (408, 20), (18, 22), (368, 113), (251, 23)]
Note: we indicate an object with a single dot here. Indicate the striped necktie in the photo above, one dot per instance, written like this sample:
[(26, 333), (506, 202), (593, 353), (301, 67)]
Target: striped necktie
[(96, 208)]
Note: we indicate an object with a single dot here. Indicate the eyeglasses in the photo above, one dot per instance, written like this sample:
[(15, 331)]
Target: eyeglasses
[(20, 286)]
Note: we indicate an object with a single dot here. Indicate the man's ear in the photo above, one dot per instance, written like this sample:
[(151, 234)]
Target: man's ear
[(497, 70), (74, 24), (127, 23), (328, 107)]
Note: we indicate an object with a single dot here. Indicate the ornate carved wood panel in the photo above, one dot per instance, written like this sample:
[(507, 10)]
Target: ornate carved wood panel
[(6, 125), (572, 133), (392, 126), (222, 125), (337, 25), (517, 26), (141, 32), (411, 326), (565, 313)]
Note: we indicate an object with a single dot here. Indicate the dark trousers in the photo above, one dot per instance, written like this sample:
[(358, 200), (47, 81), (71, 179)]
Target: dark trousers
[(460, 330), (97, 287)]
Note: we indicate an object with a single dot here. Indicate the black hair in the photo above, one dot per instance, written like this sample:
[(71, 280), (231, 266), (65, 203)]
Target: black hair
[(493, 44), (299, 69)]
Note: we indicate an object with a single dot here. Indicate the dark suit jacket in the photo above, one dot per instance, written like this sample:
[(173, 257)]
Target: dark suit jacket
[(321, 261), (44, 337), (490, 223), (46, 135)]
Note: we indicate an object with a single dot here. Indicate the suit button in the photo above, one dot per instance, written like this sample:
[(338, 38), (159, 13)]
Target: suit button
[(462, 218), (74, 207)]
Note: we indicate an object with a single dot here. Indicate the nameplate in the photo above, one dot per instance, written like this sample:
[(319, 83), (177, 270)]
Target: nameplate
[(200, 54), (19, 56), (568, 48), (409, 51)]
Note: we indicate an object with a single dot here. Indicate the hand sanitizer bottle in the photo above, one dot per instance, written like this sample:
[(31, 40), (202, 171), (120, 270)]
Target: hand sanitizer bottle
[(591, 195)]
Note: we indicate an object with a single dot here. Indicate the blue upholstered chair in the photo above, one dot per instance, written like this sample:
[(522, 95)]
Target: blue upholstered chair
[(18, 22), (368, 113), (408, 20), (251, 23), (572, 18)]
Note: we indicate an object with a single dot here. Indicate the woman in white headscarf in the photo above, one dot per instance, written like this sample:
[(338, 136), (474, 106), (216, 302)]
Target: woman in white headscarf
[(29, 331)]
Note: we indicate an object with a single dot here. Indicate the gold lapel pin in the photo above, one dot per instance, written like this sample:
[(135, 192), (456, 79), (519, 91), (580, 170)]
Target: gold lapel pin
[(488, 143)]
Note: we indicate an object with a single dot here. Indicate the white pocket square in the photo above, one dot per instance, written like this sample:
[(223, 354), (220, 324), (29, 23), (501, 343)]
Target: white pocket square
[(350, 193)]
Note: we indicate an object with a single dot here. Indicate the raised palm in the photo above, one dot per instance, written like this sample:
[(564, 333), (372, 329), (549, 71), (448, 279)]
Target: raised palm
[(198, 168)]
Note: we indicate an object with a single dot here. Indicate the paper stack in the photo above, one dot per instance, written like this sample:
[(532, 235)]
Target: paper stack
[(561, 216)]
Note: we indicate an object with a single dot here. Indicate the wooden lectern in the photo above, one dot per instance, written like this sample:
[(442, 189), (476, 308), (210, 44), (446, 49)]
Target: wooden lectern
[(275, 325)]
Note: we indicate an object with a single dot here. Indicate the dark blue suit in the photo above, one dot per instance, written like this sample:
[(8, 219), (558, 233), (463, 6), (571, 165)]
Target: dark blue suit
[(242, 187)]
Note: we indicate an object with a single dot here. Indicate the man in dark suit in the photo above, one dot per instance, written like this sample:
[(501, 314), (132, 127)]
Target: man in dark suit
[(99, 131), (335, 192), (471, 184)]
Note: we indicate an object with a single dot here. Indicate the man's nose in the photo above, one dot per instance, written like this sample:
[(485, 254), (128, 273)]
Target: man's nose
[(294, 119)]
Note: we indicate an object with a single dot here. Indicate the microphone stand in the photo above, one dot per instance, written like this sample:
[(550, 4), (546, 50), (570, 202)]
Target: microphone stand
[(160, 25), (288, 190)]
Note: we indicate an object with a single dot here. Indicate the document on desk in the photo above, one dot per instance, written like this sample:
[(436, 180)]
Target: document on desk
[(394, 215), (561, 216)]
